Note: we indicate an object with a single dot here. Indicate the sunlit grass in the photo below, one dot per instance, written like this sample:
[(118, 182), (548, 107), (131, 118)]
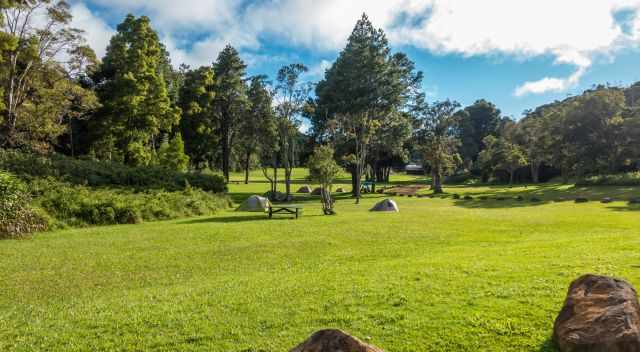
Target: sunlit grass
[(441, 275)]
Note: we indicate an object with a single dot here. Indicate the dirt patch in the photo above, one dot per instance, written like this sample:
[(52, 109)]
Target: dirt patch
[(410, 190)]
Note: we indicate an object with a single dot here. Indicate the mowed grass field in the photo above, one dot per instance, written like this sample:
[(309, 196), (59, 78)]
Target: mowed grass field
[(441, 275)]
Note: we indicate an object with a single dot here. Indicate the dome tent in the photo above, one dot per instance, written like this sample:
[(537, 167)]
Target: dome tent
[(255, 204), (386, 205)]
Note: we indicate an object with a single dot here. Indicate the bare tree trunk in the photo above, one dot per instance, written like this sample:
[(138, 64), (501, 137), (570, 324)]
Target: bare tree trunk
[(436, 182), (247, 161), (511, 173)]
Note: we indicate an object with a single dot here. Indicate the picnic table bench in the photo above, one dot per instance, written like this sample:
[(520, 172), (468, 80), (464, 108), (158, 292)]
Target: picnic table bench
[(293, 209)]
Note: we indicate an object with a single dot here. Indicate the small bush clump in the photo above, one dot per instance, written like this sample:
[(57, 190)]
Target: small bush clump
[(16, 216), (626, 179), (103, 173)]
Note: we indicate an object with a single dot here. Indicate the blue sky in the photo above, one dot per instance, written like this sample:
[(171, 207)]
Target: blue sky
[(518, 53)]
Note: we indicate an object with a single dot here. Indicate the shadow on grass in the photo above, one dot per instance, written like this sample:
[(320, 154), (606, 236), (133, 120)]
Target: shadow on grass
[(548, 346), (240, 218)]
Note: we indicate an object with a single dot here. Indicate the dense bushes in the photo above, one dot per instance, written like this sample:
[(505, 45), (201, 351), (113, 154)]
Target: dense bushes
[(16, 216), (626, 179), (99, 173), (75, 205)]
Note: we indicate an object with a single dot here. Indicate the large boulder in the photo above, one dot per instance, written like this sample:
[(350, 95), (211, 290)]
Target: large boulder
[(334, 341), (255, 204), (600, 314), (386, 205), (304, 189)]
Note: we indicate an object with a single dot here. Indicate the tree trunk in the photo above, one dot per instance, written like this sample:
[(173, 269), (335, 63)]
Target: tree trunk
[(353, 182), (511, 173), (225, 153), (247, 161), (535, 172), (436, 182), (358, 186), (287, 178)]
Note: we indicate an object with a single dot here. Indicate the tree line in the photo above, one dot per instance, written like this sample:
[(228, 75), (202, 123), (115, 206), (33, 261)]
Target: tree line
[(134, 107)]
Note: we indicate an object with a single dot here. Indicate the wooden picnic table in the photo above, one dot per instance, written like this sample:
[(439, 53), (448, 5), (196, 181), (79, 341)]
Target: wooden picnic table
[(293, 209)]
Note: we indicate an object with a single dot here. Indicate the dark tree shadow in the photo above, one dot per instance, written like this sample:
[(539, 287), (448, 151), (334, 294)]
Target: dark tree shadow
[(548, 346)]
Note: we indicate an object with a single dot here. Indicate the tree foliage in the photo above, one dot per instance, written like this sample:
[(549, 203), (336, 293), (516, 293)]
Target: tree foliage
[(324, 170), (137, 108)]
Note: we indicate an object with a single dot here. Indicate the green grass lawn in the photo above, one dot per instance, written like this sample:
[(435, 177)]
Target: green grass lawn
[(441, 275)]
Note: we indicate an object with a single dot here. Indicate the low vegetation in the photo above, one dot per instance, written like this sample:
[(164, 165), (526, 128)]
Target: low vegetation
[(103, 173), (625, 179)]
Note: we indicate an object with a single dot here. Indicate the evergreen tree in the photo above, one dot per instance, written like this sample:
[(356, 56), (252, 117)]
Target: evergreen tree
[(476, 122), (199, 124), (171, 154), (364, 87), (131, 86), (230, 100), (258, 127)]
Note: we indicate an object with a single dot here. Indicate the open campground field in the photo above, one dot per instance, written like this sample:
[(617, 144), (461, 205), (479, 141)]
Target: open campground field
[(444, 274)]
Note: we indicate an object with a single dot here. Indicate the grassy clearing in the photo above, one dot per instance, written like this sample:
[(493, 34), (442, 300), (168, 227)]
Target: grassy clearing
[(442, 275)]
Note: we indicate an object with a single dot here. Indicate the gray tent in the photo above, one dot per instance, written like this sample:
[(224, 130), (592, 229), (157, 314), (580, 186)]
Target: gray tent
[(255, 204), (386, 205), (304, 189)]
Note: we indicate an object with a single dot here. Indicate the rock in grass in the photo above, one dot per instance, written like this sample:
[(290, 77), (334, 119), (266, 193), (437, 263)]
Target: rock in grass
[(334, 341), (456, 196), (606, 200), (599, 314), (582, 200), (468, 198)]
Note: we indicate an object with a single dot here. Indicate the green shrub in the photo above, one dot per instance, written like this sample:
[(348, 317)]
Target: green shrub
[(16, 217), (102, 173), (626, 179), (70, 205)]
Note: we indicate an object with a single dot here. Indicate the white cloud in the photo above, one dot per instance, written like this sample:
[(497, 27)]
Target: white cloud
[(97, 32), (573, 32)]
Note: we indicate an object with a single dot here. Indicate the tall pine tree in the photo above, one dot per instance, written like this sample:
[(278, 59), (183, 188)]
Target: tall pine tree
[(199, 124), (132, 88), (230, 100)]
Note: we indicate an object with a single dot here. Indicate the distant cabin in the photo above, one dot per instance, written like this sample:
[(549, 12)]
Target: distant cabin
[(414, 169)]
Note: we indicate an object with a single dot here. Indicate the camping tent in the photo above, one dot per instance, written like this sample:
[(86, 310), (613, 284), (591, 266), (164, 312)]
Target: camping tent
[(255, 204), (386, 205), (304, 189)]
